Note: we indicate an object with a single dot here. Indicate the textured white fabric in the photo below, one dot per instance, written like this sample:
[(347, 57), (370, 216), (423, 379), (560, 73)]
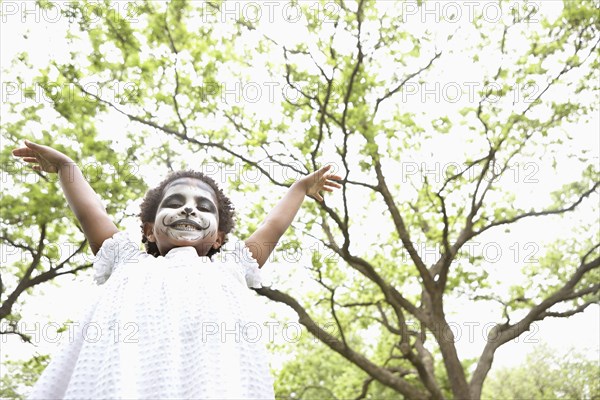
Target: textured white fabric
[(174, 327)]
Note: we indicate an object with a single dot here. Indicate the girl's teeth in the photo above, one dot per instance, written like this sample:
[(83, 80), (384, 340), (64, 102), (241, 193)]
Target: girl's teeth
[(185, 227)]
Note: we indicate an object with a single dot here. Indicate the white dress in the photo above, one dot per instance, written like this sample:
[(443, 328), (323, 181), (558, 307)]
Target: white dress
[(174, 327)]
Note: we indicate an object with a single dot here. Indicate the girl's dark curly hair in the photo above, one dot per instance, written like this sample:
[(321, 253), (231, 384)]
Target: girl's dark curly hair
[(153, 197)]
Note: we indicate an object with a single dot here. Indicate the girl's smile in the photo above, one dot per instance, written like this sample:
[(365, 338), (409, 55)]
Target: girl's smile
[(183, 225)]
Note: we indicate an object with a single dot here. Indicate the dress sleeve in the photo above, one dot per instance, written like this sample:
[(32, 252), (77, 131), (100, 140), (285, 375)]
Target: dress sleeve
[(250, 266), (117, 250), (240, 261)]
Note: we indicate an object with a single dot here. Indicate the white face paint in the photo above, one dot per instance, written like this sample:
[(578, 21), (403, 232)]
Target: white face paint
[(187, 216)]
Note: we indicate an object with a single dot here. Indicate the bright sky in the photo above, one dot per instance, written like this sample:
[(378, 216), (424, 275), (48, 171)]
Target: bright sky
[(45, 41)]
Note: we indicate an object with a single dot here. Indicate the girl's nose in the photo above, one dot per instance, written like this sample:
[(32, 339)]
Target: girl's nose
[(188, 210)]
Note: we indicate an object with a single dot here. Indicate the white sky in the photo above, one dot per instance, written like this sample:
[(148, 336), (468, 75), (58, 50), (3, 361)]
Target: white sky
[(45, 42)]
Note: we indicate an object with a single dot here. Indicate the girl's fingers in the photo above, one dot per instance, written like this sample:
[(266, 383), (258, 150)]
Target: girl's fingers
[(31, 144), (31, 160), (23, 152), (324, 169), (30, 149), (332, 184)]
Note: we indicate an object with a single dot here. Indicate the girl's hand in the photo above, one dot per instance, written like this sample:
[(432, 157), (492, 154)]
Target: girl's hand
[(320, 180), (46, 158)]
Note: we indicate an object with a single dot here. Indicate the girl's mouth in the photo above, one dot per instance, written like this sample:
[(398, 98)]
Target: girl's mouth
[(184, 226)]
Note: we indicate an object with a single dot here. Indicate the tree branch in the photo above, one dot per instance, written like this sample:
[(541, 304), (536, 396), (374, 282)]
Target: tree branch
[(539, 213), (379, 373), (503, 333)]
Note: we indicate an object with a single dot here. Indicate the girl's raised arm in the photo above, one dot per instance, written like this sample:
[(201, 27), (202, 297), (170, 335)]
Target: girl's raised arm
[(84, 202), (262, 242)]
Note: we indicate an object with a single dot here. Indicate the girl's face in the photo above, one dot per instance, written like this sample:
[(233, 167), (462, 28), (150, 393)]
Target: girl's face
[(187, 216)]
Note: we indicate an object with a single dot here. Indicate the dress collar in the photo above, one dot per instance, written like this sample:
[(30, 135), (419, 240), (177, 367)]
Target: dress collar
[(185, 250)]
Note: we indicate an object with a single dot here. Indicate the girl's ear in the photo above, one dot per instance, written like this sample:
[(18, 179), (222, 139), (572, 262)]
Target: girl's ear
[(149, 231), (219, 242)]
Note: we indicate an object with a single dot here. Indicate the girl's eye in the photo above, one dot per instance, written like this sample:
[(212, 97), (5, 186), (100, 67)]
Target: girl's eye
[(202, 207)]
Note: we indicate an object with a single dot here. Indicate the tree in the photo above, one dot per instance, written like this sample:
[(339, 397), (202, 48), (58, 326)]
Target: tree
[(19, 375), (546, 374), (172, 65)]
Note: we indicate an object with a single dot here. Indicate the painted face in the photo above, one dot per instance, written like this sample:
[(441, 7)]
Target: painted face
[(187, 216)]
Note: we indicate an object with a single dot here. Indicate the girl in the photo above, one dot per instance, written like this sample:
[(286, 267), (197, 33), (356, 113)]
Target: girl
[(175, 321)]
